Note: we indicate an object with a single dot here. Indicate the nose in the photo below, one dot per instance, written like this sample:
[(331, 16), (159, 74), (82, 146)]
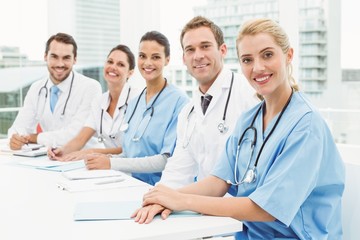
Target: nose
[(198, 55), (258, 65)]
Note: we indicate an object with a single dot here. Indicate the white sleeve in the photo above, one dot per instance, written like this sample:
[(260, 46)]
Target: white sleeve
[(181, 168), (149, 164), (81, 108), (26, 118)]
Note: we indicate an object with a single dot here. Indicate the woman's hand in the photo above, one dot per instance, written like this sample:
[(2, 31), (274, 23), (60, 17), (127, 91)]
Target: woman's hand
[(97, 161), (166, 197), (147, 214)]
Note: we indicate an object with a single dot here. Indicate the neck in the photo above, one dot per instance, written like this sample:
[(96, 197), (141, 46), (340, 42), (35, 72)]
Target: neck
[(115, 91), (274, 105), (153, 88)]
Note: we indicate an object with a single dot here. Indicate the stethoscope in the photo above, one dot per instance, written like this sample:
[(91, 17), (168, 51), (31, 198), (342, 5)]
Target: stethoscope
[(47, 91), (222, 126), (101, 137), (251, 173), (125, 126)]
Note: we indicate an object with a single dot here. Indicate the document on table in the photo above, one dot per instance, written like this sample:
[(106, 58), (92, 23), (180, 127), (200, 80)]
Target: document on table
[(28, 150), (122, 210), (90, 174), (97, 183), (45, 163)]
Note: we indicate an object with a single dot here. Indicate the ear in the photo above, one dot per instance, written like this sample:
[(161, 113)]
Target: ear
[(223, 50), (45, 57), (167, 60), (131, 72), (290, 55)]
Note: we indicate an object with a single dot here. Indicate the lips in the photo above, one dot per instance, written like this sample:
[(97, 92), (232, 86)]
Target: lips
[(112, 74), (201, 66), (263, 78), (148, 70)]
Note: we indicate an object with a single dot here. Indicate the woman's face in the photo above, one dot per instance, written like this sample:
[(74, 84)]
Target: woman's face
[(152, 60), (264, 64), (116, 69)]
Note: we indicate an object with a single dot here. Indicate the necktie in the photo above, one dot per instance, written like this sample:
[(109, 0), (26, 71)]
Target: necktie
[(53, 97), (205, 101)]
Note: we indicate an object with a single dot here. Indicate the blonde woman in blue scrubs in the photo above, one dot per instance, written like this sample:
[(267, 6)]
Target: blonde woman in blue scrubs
[(281, 158), (150, 121)]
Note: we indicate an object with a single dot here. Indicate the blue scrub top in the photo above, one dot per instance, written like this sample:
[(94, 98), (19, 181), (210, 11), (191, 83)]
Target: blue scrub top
[(300, 174), (158, 133)]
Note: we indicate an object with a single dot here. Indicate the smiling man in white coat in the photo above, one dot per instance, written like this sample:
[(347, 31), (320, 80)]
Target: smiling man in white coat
[(207, 121), (59, 104)]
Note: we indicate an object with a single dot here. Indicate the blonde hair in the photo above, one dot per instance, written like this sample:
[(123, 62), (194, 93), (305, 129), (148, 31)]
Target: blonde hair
[(265, 25)]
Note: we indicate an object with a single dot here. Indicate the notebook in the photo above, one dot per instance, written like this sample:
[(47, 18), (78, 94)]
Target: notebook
[(35, 152)]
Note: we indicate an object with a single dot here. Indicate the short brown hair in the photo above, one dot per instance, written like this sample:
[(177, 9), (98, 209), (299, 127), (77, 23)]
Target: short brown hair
[(200, 21), (63, 38)]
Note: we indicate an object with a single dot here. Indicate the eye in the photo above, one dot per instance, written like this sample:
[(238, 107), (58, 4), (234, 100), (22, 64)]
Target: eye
[(189, 50), (141, 56), (246, 60), (156, 57), (109, 62), (268, 54), (205, 46), (120, 64)]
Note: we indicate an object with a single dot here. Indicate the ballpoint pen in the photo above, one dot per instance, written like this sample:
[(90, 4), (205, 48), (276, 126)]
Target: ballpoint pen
[(110, 181)]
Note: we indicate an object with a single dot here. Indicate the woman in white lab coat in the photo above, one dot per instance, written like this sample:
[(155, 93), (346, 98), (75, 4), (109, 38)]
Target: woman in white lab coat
[(107, 114)]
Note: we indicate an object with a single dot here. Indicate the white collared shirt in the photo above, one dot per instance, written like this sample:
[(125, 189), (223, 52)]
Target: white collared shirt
[(58, 127), (199, 142)]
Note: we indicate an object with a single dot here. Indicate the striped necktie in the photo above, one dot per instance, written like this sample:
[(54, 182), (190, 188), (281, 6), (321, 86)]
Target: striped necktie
[(205, 101)]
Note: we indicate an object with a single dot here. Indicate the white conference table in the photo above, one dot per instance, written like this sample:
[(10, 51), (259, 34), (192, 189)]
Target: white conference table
[(33, 207)]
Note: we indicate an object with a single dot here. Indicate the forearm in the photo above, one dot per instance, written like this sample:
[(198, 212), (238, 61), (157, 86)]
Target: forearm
[(241, 208), (149, 164), (108, 150), (209, 186), (79, 141)]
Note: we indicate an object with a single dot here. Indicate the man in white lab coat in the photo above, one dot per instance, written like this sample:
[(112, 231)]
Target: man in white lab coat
[(59, 104), (207, 121)]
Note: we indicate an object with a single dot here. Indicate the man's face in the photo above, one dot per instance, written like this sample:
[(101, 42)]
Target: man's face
[(202, 56), (60, 60)]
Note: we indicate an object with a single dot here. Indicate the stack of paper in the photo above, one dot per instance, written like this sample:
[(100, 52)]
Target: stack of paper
[(88, 180), (45, 163), (28, 150)]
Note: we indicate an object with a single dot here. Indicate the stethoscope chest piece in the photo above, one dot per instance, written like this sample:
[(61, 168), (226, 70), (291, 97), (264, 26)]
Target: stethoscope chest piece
[(101, 139), (124, 127), (223, 128), (250, 176)]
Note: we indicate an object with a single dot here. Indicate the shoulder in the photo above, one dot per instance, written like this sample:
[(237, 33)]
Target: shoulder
[(176, 92), (82, 79), (304, 115)]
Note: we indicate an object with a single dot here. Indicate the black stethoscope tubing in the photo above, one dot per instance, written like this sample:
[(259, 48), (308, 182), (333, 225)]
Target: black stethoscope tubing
[(273, 128), (226, 104), (101, 139), (151, 107), (67, 99)]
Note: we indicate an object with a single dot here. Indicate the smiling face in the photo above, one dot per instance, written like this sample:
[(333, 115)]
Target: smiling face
[(60, 60), (152, 60), (202, 56), (117, 68), (264, 64)]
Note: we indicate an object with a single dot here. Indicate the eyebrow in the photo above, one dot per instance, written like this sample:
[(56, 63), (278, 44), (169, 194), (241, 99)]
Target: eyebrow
[(261, 51), (201, 43)]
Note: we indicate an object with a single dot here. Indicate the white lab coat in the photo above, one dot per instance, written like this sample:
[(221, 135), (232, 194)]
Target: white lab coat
[(110, 126), (57, 128), (197, 156)]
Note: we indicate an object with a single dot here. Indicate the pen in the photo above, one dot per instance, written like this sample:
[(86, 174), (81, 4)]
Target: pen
[(110, 181)]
